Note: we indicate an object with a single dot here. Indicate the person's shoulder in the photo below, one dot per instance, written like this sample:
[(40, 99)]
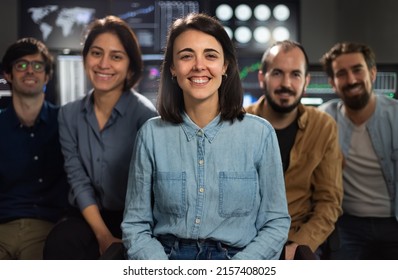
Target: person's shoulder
[(143, 100), (251, 108), (75, 104), (330, 104), (254, 120), (385, 100), (316, 113), (155, 125), (330, 107), (72, 109), (319, 122)]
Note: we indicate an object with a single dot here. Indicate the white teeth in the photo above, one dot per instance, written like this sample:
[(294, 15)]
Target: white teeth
[(104, 75), (199, 81)]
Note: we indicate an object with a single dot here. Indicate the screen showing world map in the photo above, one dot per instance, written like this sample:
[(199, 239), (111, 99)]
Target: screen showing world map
[(59, 24)]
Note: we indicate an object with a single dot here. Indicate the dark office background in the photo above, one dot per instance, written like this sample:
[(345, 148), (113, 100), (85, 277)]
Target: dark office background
[(318, 25), (322, 23)]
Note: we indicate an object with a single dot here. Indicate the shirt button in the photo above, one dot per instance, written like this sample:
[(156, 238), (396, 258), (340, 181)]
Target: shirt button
[(200, 133), (32, 135), (201, 190), (201, 161), (197, 221), (35, 157)]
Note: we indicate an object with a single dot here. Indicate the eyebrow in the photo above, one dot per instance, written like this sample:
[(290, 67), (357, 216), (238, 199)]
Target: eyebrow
[(191, 50), (112, 51)]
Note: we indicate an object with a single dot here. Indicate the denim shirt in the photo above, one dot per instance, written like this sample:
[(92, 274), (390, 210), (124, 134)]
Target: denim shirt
[(383, 132), (223, 182)]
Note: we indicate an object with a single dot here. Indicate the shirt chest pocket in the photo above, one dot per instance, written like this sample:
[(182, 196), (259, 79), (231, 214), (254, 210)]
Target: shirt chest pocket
[(237, 193), (170, 191)]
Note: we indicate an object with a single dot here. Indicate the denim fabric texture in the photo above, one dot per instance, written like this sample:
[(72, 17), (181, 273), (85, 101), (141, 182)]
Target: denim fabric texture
[(223, 182), (183, 249), (383, 132)]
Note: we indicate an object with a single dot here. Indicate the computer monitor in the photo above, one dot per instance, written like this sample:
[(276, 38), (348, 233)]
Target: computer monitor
[(151, 19), (319, 90), (149, 83)]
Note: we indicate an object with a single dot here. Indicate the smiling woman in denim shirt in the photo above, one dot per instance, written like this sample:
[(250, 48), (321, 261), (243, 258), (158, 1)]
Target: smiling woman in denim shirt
[(206, 180)]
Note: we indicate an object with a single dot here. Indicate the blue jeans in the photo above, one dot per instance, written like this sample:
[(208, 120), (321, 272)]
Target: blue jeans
[(186, 249), (367, 238)]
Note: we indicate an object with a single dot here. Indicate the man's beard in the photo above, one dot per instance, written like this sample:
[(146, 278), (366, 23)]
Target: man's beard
[(278, 108), (358, 102)]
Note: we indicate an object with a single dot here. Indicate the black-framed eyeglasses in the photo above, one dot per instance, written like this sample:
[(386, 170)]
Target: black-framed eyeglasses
[(22, 65)]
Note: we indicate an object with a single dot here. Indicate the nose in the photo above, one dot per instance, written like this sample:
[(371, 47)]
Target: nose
[(103, 61), (286, 80), (198, 65), (29, 68), (351, 78)]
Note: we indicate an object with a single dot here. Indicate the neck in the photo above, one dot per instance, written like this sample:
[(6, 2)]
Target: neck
[(27, 109), (103, 106), (358, 117), (202, 114)]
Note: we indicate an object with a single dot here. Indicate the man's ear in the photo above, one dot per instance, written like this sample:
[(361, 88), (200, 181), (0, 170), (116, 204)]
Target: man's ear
[(8, 77), (331, 82), (260, 77), (307, 81), (373, 73)]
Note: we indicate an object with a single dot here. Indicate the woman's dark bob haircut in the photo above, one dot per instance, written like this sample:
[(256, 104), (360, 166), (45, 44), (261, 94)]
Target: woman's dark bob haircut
[(170, 97)]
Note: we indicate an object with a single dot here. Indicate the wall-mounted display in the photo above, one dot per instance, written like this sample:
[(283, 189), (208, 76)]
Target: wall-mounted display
[(150, 20), (60, 24)]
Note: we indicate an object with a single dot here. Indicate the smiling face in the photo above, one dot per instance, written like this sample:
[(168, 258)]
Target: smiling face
[(353, 80), (285, 81), (198, 65), (28, 82), (106, 64)]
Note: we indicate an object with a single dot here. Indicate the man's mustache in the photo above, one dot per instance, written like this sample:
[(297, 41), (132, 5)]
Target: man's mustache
[(284, 90), (349, 87)]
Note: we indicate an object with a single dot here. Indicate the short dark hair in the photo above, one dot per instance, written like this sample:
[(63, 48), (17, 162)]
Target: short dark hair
[(117, 26), (345, 48), (286, 45), (170, 97), (27, 46)]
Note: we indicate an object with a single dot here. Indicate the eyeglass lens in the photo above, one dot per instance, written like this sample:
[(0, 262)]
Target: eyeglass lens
[(22, 65)]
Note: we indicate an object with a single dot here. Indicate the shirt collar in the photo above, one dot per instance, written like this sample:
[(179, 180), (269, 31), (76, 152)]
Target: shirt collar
[(191, 129), (14, 120), (302, 116), (121, 106)]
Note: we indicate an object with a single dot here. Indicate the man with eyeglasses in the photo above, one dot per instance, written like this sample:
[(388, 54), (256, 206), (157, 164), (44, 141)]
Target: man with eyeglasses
[(33, 186)]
